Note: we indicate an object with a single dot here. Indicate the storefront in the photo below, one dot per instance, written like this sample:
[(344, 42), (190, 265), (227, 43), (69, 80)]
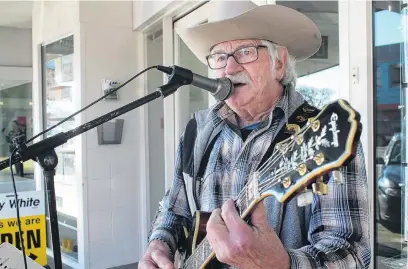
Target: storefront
[(105, 205), (362, 59)]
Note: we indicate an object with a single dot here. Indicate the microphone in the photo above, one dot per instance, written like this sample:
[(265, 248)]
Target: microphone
[(221, 88)]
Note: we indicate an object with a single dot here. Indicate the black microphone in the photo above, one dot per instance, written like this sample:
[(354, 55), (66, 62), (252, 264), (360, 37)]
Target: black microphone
[(221, 88)]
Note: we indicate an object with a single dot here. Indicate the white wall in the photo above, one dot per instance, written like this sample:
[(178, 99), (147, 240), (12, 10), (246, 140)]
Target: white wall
[(108, 176), (328, 24), (15, 56), (15, 47), (146, 10), (155, 127), (111, 172)]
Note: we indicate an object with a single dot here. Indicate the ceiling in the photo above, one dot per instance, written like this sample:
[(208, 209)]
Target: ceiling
[(311, 6), (16, 13), (6, 84)]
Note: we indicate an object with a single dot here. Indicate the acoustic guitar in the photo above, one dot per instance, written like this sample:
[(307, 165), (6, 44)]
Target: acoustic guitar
[(325, 143)]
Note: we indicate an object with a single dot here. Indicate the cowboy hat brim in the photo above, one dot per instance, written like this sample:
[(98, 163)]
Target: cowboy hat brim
[(278, 24)]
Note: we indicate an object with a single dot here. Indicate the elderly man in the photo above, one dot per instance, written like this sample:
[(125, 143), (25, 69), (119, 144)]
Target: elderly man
[(256, 47)]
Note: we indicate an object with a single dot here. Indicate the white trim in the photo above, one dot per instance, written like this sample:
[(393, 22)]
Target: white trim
[(360, 57), (65, 259), (181, 95), (344, 48), (81, 148), (175, 10), (170, 141), (144, 149), (38, 119)]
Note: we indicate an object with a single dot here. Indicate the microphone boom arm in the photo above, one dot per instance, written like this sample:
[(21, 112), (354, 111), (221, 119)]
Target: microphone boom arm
[(43, 152)]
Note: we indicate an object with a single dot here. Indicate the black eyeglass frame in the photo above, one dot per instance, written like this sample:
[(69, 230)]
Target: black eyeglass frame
[(232, 54)]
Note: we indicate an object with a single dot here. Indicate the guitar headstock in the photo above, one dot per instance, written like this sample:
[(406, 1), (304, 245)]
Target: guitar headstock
[(327, 142)]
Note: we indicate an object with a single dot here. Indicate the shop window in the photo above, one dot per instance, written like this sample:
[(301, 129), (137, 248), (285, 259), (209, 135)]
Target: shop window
[(16, 121), (319, 76), (391, 221), (58, 92)]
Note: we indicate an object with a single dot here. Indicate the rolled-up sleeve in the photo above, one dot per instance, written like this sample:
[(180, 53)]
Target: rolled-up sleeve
[(173, 213), (339, 223)]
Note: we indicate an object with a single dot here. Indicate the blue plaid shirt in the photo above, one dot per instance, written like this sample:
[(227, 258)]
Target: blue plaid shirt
[(333, 232)]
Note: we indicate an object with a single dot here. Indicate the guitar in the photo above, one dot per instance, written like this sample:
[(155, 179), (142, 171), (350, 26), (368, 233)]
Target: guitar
[(325, 143)]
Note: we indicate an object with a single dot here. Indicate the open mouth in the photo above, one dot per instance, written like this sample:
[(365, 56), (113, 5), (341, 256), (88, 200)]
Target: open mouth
[(237, 85)]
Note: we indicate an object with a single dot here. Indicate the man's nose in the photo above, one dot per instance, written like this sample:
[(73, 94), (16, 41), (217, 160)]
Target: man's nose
[(232, 66)]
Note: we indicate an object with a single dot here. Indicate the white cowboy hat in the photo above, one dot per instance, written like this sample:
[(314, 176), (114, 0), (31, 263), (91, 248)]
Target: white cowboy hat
[(234, 20)]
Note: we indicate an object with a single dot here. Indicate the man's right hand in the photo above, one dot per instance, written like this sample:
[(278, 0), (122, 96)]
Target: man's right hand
[(158, 255)]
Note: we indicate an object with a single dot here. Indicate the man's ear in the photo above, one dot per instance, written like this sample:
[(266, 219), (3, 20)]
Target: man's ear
[(280, 65)]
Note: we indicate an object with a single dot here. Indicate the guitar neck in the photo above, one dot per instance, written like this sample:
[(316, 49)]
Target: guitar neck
[(203, 253)]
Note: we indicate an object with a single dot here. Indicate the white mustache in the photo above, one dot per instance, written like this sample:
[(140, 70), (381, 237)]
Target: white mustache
[(240, 78)]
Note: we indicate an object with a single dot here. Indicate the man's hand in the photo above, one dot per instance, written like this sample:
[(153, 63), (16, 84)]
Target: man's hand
[(238, 244), (158, 255)]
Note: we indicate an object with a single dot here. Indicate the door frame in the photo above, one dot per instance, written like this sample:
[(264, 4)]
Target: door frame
[(355, 59), (196, 17)]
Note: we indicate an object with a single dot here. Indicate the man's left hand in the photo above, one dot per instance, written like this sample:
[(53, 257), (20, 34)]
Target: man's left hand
[(240, 245)]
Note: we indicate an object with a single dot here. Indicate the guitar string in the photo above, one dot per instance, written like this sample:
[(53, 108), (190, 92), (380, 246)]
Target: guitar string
[(301, 132), (278, 173), (290, 145), (204, 244), (266, 184), (272, 160)]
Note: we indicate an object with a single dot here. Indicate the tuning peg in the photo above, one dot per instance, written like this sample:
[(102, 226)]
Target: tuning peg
[(319, 187), (302, 169), (319, 158), (298, 138), (338, 177), (315, 124), (286, 182)]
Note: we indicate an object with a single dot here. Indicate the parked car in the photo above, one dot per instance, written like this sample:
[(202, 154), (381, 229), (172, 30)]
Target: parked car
[(390, 183)]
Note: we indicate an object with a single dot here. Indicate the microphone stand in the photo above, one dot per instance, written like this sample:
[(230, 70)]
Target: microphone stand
[(43, 152)]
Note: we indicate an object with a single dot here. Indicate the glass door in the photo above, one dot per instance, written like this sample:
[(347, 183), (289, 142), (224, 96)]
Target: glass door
[(390, 106), (58, 93)]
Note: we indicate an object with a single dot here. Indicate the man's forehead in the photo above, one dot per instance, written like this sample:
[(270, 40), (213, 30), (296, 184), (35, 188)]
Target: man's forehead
[(229, 46)]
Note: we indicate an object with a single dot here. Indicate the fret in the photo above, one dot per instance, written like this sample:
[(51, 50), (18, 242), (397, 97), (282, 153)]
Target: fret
[(203, 251), (248, 195)]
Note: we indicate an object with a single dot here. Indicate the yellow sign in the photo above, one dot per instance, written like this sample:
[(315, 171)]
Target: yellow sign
[(33, 225)]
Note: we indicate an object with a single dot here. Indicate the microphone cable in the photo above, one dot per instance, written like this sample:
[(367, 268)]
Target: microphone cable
[(47, 130), (20, 233), (91, 104)]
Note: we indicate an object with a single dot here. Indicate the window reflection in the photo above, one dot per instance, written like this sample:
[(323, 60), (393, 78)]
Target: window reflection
[(58, 93), (319, 76), (15, 121), (389, 106)]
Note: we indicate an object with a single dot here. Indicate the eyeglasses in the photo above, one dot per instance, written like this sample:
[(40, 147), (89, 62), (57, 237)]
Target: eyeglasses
[(242, 56)]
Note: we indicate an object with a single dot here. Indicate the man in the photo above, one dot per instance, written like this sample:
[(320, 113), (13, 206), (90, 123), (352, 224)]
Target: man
[(16, 131), (332, 231)]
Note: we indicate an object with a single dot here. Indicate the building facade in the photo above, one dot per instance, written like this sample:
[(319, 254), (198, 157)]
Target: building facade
[(110, 180)]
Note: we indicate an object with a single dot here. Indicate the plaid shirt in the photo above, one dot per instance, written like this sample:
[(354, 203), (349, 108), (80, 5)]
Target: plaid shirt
[(337, 229)]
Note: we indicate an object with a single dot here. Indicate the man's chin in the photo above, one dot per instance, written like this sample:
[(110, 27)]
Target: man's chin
[(235, 102)]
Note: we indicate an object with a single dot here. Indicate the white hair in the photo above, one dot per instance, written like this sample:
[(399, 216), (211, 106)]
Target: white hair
[(290, 74)]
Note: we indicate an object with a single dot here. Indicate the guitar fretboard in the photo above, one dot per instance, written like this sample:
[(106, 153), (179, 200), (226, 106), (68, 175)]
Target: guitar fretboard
[(242, 203)]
